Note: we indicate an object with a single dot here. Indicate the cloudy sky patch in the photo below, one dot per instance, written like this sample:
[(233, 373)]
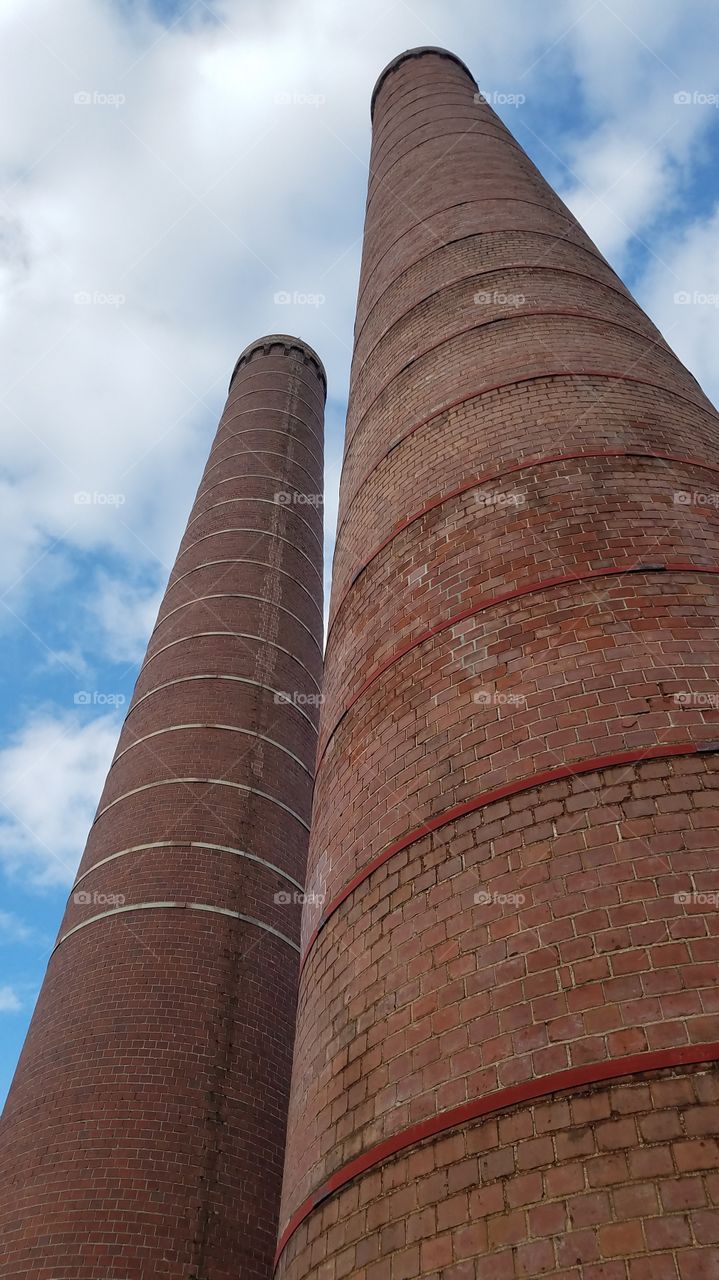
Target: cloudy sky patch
[(172, 173)]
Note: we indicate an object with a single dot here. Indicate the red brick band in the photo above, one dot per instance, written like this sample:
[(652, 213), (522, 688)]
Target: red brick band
[(486, 324), (374, 174), (572, 1078), (516, 382), (494, 271), (518, 785), (489, 476), (472, 235), (488, 602), (537, 204)]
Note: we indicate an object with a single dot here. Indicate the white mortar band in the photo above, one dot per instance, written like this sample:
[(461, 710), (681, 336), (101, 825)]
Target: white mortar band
[(284, 701), (234, 635), (279, 506), (226, 728), (238, 595), (191, 844), (263, 533), (207, 782), (181, 906)]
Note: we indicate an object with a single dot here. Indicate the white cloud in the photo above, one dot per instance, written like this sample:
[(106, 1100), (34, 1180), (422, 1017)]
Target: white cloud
[(629, 65), (13, 929), (201, 195), (9, 1001), (681, 291), (51, 776), (126, 614)]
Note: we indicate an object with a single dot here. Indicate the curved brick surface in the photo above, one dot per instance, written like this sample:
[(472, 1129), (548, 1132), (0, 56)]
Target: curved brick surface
[(423, 992), (614, 1183), (143, 1135), (523, 583)]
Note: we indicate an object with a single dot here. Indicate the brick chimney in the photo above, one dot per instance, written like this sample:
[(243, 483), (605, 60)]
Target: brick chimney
[(507, 1032), (143, 1135)]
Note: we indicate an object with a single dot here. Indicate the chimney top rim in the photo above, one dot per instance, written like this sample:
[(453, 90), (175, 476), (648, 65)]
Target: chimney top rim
[(416, 53), (288, 340)]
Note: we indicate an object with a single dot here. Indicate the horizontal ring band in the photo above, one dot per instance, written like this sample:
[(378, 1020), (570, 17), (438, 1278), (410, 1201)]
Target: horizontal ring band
[(282, 507), (537, 313), (594, 764), (211, 675), (184, 906), (374, 174), (226, 728), (532, 587), (222, 439), (259, 564), (263, 533), (557, 213), (188, 844), (489, 477), (473, 235), (268, 408), (573, 1077), (258, 453), (516, 382), (205, 782), (237, 595), (282, 390), (493, 271), (234, 635)]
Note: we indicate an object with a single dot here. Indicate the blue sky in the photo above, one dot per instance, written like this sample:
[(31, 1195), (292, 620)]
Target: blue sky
[(166, 169)]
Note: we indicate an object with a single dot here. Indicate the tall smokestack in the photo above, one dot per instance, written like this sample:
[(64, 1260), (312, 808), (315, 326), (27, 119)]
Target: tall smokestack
[(143, 1135), (506, 1022)]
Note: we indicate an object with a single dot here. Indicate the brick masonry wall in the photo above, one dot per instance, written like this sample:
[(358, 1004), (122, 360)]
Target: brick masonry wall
[(144, 1132), (515, 881), (594, 1185)]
